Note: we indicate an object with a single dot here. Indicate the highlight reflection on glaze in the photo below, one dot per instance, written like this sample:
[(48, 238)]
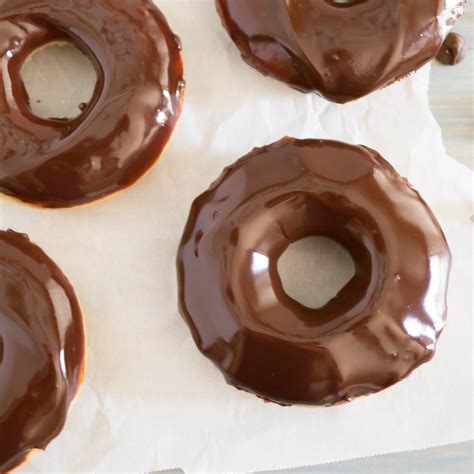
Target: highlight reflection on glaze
[(342, 50), (132, 114), (380, 326), (41, 348)]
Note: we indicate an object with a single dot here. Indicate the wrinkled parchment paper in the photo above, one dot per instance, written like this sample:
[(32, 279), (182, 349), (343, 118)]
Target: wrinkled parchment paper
[(149, 400)]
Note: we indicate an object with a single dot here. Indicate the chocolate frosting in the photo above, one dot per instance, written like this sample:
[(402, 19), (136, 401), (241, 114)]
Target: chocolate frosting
[(341, 50), (381, 325), (41, 348), (121, 132)]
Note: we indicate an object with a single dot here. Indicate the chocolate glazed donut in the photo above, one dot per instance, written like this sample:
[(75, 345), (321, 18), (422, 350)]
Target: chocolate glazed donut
[(41, 349), (383, 324), (342, 49), (127, 124)]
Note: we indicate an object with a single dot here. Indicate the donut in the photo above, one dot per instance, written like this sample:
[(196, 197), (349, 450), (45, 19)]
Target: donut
[(342, 50), (121, 133), (41, 349), (381, 325)]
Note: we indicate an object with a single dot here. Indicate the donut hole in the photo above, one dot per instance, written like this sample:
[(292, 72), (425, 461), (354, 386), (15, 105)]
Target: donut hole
[(314, 269), (59, 80)]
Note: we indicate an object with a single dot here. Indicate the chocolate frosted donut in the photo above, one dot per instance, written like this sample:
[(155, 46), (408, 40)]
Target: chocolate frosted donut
[(381, 325), (41, 348), (342, 50), (121, 132)]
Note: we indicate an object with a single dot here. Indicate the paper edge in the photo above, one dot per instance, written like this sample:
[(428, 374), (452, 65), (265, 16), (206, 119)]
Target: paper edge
[(324, 463), (368, 456)]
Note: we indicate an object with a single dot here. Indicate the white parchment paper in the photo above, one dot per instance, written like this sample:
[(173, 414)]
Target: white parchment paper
[(149, 400)]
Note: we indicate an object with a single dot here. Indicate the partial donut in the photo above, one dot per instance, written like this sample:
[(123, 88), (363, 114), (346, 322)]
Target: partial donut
[(125, 128), (382, 324), (341, 49), (42, 349)]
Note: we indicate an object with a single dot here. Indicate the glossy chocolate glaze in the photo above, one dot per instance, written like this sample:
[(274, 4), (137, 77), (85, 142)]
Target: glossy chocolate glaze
[(41, 348), (342, 51), (383, 324), (126, 126)]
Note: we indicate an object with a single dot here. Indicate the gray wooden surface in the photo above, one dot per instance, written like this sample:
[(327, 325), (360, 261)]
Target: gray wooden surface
[(451, 97), (457, 458)]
